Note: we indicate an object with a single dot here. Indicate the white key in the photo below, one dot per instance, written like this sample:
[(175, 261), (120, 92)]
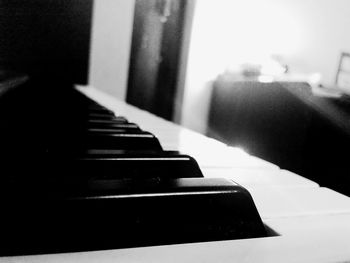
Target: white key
[(255, 177), (282, 202)]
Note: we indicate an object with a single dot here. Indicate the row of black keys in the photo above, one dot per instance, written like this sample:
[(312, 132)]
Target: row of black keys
[(108, 184)]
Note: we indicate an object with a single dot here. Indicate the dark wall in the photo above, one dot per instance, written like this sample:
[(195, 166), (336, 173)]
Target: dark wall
[(46, 38), (155, 53)]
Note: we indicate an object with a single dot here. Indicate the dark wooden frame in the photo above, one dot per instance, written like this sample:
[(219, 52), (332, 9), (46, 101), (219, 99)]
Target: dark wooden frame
[(341, 70), (153, 84)]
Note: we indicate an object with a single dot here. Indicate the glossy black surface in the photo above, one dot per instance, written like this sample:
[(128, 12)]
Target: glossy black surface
[(66, 186), (107, 164), (44, 120), (108, 214)]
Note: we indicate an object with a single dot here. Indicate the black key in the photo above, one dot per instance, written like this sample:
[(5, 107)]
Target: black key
[(129, 126), (102, 116), (92, 105), (100, 111), (120, 129), (112, 164), (80, 142), (117, 120), (125, 141), (64, 216)]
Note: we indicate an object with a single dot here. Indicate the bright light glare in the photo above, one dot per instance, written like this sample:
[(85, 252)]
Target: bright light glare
[(266, 79), (227, 33)]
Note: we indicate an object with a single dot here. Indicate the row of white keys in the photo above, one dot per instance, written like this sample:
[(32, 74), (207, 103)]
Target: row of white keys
[(215, 158), (282, 202), (313, 221), (256, 177), (208, 152)]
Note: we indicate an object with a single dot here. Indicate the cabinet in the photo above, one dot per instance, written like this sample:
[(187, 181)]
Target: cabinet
[(285, 123)]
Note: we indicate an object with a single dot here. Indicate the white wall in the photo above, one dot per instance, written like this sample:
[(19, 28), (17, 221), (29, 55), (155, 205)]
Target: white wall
[(307, 34), (110, 45)]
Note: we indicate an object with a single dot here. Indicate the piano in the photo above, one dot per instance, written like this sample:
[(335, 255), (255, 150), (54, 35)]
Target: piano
[(303, 222)]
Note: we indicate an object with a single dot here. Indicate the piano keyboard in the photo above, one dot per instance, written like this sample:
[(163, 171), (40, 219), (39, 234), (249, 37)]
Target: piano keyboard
[(98, 182), (312, 222)]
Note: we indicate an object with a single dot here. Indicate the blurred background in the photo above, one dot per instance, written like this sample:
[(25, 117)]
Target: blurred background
[(271, 76)]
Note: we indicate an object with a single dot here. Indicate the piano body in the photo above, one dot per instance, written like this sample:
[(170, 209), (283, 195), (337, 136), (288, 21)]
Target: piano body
[(306, 222)]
